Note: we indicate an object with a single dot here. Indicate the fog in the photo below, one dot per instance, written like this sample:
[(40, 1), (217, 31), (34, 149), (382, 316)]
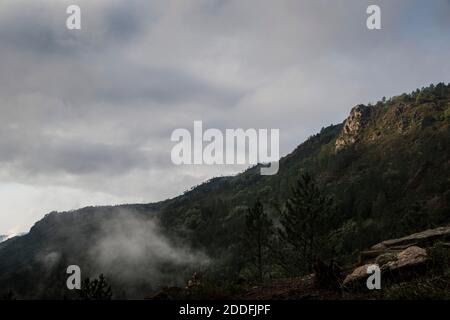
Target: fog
[(133, 250)]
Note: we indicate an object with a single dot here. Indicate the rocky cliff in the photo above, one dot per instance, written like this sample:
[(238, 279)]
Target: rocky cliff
[(390, 177), (356, 122)]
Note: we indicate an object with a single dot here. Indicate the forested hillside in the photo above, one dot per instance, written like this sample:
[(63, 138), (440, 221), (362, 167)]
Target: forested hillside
[(381, 174)]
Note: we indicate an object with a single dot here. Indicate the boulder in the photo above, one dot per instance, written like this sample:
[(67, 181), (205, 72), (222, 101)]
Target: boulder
[(357, 278), (409, 258), (394, 266), (425, 239), (385, 258), (398, 259)]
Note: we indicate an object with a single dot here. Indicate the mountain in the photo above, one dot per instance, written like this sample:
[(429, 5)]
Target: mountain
[(3, 237), (386, 166)]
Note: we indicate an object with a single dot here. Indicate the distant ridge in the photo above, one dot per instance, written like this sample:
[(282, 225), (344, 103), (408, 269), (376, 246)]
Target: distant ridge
[(387, 166)]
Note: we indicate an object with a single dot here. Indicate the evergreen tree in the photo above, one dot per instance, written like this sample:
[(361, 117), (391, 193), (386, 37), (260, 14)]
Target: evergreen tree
[(98, 289), (259, 230), (306, 224)]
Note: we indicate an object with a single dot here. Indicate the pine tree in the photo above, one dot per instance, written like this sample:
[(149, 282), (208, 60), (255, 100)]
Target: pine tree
[(259, 230), (98, 289), (306, 224)]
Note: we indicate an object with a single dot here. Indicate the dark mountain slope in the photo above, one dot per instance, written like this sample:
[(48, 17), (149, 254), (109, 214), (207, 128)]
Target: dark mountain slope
[(387, 166)]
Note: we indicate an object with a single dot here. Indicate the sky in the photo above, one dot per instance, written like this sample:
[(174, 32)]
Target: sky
[(86, 115)]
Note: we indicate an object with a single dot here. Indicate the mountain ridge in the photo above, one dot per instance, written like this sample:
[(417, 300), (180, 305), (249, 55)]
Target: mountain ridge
[(384, 166)]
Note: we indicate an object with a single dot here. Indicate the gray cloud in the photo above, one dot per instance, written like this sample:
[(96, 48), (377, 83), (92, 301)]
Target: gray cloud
[(160, 85), (86, 116), (133, 250)]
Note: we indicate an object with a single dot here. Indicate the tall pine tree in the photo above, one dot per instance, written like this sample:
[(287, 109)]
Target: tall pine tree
[(259, 230), (306, 223)]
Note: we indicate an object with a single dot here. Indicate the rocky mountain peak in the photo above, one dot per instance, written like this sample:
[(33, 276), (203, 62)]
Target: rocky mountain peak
[(353, 125)]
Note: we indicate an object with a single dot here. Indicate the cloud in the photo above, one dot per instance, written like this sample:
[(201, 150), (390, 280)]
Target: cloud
[(132, 250), (91, 111)]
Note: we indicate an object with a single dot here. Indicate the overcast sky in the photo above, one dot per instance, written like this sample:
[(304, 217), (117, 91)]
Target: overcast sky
[(86, 116)]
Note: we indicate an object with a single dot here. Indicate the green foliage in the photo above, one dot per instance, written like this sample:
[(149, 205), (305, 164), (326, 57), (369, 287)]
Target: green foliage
[(414, 219), (97, 289), (259, 230), (434, 288), (392, 181), (307, 223), (447, 113), (440, 257)]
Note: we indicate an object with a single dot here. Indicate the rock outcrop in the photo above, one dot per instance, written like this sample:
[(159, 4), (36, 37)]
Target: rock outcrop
[(357, 278), (424, 238), (409, 261), (397, 258), (353, 125), (410, 257)]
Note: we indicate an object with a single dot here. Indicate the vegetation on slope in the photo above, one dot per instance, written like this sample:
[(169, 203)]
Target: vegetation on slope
[(386, 169)]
